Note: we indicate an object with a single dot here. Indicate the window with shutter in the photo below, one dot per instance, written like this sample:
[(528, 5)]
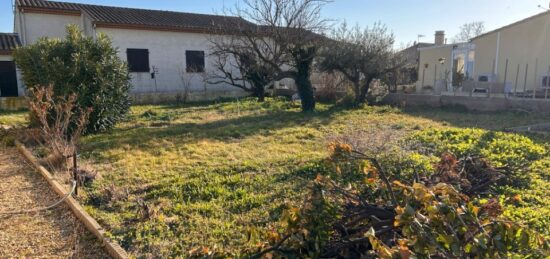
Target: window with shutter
[(138, 60), (195, 61)]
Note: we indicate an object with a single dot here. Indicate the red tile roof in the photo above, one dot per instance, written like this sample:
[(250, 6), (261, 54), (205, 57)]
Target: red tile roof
[(108, 15)]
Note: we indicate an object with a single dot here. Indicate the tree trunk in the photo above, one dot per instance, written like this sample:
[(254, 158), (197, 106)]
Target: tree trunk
[(259, 92), (304, 60), (357, 91), (362, 97)]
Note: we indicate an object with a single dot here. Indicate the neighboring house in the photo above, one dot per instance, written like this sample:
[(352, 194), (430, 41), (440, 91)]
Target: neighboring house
[(412, 53), (9, 86), (517, 55), (167, 52), (511, 59), (442, 67), (411, 56)]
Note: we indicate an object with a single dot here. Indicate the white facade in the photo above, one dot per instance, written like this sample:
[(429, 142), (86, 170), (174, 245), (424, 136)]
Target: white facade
[(166, 57), (33, 26), (166, 52)]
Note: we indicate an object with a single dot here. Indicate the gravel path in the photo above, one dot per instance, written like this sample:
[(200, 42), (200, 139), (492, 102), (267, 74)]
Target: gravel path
[(50, 234)]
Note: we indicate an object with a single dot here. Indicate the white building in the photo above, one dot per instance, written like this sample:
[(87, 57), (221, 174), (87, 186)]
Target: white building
[(8, 73), (166, 51)]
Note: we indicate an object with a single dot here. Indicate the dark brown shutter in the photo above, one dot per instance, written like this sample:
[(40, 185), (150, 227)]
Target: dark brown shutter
[(138, 60), (195, 61)]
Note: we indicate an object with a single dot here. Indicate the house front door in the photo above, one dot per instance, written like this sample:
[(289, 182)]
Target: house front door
[(8, 79)]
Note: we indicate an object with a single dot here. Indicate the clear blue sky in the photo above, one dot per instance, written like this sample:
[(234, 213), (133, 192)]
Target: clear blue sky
[(406, 18)]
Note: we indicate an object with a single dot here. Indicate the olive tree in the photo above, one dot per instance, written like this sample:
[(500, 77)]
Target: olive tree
[(361, 55), (82, 66), (239, 65), (280, 42)]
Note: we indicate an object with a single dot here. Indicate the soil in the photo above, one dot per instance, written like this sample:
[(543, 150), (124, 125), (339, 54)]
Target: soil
[(55, 233)]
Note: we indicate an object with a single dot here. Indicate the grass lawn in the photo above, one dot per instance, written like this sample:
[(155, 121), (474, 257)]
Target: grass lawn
[(13, 118), (176, 178)]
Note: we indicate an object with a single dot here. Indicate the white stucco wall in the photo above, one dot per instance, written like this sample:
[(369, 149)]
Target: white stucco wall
[(37, 25), (167, 55), (6, 58), (166, 51)]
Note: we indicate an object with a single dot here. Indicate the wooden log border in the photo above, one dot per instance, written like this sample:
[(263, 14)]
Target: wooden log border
[(112, 248)]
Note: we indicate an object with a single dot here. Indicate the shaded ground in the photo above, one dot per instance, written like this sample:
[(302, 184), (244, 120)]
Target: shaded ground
[(51, 234)]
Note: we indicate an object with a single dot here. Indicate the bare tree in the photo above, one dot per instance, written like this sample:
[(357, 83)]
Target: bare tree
[(469, 31), (280, 42), (361, 55), (239, 65)]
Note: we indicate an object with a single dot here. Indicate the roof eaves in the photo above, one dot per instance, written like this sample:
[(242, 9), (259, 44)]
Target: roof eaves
[(459, 44)]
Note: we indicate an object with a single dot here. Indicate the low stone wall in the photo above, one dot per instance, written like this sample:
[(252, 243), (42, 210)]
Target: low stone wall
[(173, 97), (471, 103), (13, 103)]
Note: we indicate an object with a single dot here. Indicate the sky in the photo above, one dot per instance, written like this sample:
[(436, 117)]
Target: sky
[(406, 18)]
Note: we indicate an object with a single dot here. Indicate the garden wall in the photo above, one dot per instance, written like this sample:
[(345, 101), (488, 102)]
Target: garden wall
[(469, 102)]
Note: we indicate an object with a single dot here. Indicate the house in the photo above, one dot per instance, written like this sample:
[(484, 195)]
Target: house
[(411, 56), (8, 72), (442, 66), (516, 56), (167, 52), (512, 60)]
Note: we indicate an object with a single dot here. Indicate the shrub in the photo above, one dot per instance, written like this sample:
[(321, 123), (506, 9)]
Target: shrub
[(87, 67), (55, 115)]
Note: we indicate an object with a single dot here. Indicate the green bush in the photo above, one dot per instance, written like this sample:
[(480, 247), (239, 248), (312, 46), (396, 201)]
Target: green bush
[(87, 67)]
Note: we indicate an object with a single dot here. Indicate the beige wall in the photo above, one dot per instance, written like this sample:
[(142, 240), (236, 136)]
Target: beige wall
[(526, 44), (434, 71)]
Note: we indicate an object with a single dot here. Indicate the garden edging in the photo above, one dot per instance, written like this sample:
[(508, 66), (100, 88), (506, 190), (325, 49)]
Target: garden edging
[(91, 224)]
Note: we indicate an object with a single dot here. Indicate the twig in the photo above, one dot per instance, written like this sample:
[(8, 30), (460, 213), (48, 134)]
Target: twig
[(272, 248), (375, 163)]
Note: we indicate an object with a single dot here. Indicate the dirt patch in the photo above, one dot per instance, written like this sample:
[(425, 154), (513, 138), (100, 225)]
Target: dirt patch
[(51, 234)]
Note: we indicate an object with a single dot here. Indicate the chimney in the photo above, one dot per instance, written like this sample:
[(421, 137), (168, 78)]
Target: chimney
[(439, 38)]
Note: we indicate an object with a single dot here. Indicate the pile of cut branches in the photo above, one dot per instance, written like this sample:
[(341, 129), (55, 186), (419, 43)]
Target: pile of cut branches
[(472, 175), (437, 216)]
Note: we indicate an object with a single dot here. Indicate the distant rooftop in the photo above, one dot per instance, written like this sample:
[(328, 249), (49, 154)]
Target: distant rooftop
[(8, 42)]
